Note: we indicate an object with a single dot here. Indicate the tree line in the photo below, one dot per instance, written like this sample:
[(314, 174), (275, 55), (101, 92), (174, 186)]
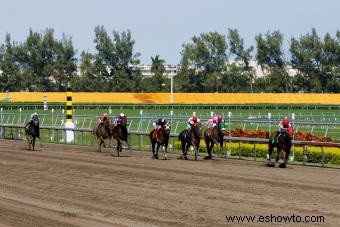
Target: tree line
[(210, 62)]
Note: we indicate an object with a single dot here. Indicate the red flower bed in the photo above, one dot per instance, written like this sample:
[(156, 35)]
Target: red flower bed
[(304, 136)]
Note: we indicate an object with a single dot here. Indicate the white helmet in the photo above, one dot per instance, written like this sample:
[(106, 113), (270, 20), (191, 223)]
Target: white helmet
[(35, 114), (105, 114), (121, 114)]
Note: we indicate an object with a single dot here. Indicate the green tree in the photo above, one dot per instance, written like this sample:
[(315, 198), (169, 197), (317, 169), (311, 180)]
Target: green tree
[(270, 57), (88, 78), (157, 68), (306, 57), (10, 75), (116, 61), (203, 60), (242, 55)]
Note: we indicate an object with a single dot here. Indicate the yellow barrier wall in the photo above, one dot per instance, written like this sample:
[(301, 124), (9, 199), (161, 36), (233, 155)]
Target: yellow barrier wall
[(179, 98)]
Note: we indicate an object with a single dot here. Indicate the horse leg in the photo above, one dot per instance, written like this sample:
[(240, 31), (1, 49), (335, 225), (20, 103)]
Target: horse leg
[(33, 142), (119, 147), (185, 150), (165, 147), (153, 148), (157, 148), (209, 147), (287, 154), (279, 149), (270, 150), (100, 145)]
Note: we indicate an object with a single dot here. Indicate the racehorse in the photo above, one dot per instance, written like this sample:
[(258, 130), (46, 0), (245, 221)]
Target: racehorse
[(32, 131), (190, 137), (161, 138), (213, 136), (283, 146), (102, 133), (120, 133)]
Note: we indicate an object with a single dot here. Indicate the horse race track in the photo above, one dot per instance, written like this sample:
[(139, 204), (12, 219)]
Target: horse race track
[(62, 185)]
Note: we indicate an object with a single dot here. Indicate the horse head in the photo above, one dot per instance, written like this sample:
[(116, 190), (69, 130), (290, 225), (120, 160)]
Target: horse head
[(35, 120), (197, 129), (123, 121), (167, 127)]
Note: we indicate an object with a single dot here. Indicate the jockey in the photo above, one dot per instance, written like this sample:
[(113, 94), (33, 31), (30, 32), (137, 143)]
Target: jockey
[(284, 127), (194, 120), (102, 119), (33, 115), (161, 122), (212, 122), (118, 119), (30, 122)]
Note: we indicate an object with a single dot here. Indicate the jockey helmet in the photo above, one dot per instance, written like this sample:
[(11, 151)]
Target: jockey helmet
[(194, 119), (35, 114), (121, 114), (219, 118), (105, 114), (285, 122), (215, 119)]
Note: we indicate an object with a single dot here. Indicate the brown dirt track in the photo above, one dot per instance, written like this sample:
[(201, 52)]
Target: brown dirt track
[(77, 186)]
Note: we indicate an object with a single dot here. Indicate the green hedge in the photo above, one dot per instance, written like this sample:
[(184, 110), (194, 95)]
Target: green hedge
[(314, 154)]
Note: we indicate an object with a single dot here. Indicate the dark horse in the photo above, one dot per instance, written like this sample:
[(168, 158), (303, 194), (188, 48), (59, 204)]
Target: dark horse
[(103, 132), (32, 131), (161, 138), (283, 145), (213, 136), (120, 133), (190, 137)]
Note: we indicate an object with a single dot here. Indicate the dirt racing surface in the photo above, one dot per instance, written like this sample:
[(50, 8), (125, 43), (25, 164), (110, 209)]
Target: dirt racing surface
[(60, 185)]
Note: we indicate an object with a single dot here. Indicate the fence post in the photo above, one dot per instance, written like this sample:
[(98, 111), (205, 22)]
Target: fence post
[(269, 124), (229, 150), (239, 150), (254, 152), (293, 155), (305, 154), (322, 158), (1, 114), (52, 124)]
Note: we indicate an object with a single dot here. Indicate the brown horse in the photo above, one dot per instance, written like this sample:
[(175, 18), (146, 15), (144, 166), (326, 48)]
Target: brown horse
[(102, 133), (213, 136), (283, 145), (120, 133), (190, 137), (161, 138), (32, 131)]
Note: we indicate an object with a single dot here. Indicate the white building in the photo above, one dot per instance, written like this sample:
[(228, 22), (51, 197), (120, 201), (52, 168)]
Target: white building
[(170, 70)]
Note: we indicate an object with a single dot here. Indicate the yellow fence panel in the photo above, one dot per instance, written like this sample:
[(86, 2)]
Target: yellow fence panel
[(179, 98)]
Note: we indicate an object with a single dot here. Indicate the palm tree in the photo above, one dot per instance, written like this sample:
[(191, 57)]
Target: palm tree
[(157, 68)]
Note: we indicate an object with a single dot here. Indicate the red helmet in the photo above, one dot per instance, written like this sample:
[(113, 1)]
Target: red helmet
[(219, 118), (194, 119), (285, 122)]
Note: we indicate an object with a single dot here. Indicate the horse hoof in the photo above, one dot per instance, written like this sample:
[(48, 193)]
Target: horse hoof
[(282, 165), (186, 158), (271, 164), (208, 157)]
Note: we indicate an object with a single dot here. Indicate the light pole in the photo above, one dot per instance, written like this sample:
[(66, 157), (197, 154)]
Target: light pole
[(171, 89)]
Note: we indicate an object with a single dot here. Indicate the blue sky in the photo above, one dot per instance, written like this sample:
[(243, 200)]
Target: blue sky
[(162, 26)]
